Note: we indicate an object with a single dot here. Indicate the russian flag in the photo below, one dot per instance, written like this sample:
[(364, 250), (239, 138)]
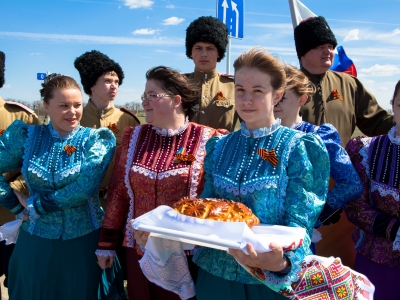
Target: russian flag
[(341, 63)]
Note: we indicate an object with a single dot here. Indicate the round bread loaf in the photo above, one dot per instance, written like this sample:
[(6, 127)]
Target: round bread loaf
[(217, 210)]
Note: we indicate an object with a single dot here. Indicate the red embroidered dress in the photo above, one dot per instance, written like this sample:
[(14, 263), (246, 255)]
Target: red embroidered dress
[(146, 175)]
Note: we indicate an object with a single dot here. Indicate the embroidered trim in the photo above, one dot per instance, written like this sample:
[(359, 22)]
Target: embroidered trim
[(106, 253), (385, 190), (392, 135), (171, 132), (260, 132), (131, 152), (196, 166), (141, 170), (56, 135), (173, 172)]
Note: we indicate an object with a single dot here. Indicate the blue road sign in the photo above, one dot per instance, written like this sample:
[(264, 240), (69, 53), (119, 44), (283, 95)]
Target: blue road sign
[(41, 76), (231, 13)]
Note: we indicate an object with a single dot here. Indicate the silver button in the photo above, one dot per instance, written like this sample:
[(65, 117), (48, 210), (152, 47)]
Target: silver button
[(203, 112)]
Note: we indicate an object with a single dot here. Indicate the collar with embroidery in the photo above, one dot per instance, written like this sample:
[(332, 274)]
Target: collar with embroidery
[(260, 132), (395, 139), (172, 132)]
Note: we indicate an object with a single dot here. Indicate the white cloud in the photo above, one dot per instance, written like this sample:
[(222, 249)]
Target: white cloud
[(132, 4), (173, 21), (35, 54), (352, 35), (7, 86), (112, 40), (170, 6), (381, 70), (145, 31)]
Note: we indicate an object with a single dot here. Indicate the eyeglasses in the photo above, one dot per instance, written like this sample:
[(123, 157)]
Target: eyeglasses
[(152, 97), (280, 101)]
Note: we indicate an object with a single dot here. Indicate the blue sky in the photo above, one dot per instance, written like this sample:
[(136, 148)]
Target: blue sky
[(47, 35)]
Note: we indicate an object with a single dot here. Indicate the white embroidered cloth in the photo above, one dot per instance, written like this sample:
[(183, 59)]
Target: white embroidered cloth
[(164, 261), (9, 231)]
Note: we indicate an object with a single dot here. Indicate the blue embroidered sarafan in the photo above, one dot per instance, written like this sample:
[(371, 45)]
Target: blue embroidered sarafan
[(292, 193), (63, 185)]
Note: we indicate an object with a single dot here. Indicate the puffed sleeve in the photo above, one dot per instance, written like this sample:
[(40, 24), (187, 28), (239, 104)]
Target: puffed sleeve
[(306, 190), (12, 145), (360, 211), (98, 152), (347, 182), (117, 199), (208, 191)]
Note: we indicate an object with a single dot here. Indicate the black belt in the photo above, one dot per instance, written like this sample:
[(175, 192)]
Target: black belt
[(102, 193)]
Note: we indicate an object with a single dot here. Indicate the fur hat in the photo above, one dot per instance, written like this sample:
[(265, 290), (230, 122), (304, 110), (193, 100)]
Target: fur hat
[(208, 30), (2, 68), (311, 33), (91, 65)]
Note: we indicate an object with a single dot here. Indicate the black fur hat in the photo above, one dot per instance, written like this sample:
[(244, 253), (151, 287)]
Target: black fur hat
[(311, 33), (208, 30), (2, 68), (91, 65)]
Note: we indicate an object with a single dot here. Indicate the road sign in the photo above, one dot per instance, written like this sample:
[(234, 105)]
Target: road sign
[(231, 13), (41, 76)]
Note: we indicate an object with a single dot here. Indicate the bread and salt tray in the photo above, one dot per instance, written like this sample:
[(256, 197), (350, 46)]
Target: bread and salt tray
[(165, 222)]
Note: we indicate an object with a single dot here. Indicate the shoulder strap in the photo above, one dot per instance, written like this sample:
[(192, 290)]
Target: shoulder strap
[(26, 108), (130, 113)]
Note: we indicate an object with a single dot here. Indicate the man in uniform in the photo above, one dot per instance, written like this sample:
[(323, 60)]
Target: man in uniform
[(342, 101), (101, 78), (206, 42), (9, 112)]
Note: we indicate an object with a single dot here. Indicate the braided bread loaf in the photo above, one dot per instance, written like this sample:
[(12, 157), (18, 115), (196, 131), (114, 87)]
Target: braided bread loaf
[(217, 210)]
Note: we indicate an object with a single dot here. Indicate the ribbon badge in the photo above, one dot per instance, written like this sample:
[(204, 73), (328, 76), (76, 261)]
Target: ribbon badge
[(113, 127), (221, 99), (270, 156), (181, 156), (69, 149), (1, 131), (336, 95)]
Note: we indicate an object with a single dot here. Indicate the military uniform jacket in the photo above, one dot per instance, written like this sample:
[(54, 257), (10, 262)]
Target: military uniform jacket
[(344, 102), (9, 112), (113, 118), (217, 104)]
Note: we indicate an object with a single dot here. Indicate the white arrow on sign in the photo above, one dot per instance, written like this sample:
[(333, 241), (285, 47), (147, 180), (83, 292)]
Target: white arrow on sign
[(225, 6), (234, 8)]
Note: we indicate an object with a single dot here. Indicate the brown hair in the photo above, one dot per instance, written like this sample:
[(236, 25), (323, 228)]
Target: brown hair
[(298, 83), (176, 83), (396, 91), (259, 58), (57, 81)]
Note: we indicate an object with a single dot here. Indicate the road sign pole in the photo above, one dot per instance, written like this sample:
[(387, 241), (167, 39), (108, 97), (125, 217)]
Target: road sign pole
[(228, 56)]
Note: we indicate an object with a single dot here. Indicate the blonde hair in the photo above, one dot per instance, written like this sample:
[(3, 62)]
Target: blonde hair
[(298, 83), (259, 58)]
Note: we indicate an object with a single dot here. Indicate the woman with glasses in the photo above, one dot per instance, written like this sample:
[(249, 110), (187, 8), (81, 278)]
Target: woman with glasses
[(156, 164), (345, 183), (63, 165)]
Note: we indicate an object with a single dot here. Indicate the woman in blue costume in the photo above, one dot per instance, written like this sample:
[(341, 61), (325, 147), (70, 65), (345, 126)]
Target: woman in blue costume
[(280, 173), (63, 165), (345, 183)]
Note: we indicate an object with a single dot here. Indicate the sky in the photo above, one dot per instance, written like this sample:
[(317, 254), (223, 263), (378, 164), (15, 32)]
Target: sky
[(47, 35)]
